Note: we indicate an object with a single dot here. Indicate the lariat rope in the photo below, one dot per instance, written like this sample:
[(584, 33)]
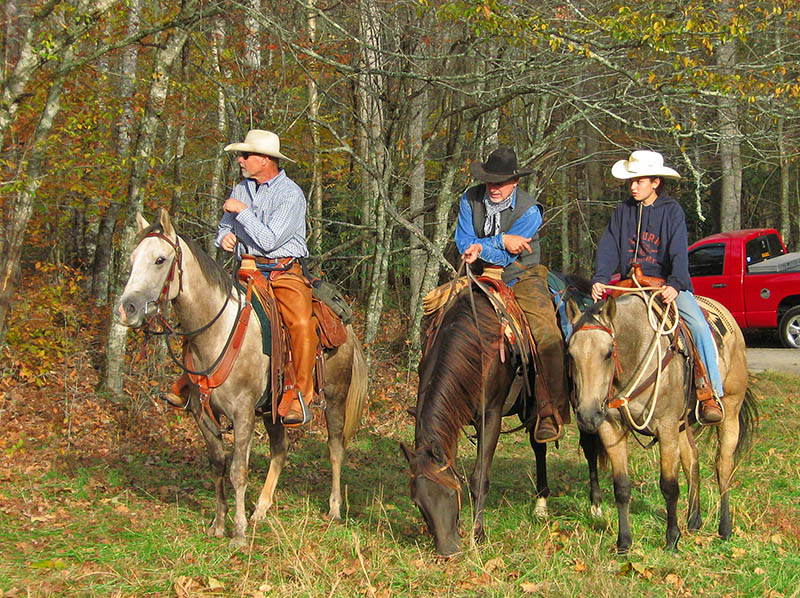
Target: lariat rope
[(656, 347)]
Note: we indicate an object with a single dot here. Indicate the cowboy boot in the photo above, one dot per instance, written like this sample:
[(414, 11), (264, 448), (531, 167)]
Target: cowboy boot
[(297, 414), (178, 394), (547, 429), (710, 409)]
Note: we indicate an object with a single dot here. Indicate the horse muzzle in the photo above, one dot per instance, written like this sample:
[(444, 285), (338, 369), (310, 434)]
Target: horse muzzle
[(131, 310), (589, 417)]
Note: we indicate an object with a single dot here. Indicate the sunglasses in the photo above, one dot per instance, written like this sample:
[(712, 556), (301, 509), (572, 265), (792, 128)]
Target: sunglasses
[(246, 155)]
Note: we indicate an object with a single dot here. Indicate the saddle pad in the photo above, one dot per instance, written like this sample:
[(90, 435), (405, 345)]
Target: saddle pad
[(266, 328), (718, 317), (436, 298)]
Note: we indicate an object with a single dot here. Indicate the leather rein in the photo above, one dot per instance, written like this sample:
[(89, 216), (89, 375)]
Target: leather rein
[(213, 376)]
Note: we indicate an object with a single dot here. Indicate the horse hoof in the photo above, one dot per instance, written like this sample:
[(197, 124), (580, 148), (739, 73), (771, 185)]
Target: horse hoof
[(215, 532), (540, 510), (237, 542), (596, 511)]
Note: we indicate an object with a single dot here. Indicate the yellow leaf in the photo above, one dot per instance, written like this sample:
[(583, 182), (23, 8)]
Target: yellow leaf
[(215, 584), (532, 588)]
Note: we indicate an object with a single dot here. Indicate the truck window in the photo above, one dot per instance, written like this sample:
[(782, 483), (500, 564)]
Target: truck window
[(708, 260), (762, 248)]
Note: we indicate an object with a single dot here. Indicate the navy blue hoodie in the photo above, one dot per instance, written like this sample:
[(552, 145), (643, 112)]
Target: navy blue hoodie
[(663, 245)]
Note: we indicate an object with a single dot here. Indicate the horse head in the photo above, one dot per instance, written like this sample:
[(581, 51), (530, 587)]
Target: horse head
[(593, 352), (156, 271), (436, 490)]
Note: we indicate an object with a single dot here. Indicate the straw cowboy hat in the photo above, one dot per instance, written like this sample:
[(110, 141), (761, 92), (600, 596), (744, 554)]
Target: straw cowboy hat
[(499, 168), (259, 142), (643, 163)]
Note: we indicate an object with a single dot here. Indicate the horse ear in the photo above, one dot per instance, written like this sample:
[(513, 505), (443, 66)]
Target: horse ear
[(141, 223), (609, 309), (573, 311), (166, 224), (407, 452)]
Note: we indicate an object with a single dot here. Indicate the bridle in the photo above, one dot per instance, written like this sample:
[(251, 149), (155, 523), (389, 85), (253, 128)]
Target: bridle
[(611, 401)]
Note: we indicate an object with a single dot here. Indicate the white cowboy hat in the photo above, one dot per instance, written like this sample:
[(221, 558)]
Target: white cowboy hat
[(643, 163), (259, 142)]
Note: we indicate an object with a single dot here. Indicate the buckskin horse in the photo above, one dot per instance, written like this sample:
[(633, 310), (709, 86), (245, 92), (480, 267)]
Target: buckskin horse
[(630, 375), (166, 266), (465, 377)]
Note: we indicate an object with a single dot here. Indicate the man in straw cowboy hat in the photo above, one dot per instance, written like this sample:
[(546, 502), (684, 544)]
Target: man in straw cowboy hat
[(498, 224), (649, 229), (265, 217)]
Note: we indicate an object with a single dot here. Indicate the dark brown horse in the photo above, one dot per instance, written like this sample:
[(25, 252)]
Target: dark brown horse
[(168, 267), (463, 379)]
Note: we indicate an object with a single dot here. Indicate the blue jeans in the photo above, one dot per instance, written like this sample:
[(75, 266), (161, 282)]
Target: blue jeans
[(693, 316)]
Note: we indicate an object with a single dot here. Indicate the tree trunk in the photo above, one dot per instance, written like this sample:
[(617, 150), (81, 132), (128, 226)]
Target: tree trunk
[(115, 346), (315, 193), (418, 255), (31, 171), (101, 265), (730, 139)]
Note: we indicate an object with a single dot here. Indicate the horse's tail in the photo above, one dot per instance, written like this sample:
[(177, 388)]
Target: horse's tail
[(748, 422), (357, 391)]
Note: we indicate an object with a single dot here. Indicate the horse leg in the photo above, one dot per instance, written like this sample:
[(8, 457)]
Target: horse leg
[(243, 426), (588, 443), (691, 469), (278, 449), (728, 439), (218, 458), (616, 447), (542, 488), (334, 421), (479, 481), (670, 463)]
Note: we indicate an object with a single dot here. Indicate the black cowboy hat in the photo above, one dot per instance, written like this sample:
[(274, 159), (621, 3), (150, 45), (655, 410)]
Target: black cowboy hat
[(499, 168)]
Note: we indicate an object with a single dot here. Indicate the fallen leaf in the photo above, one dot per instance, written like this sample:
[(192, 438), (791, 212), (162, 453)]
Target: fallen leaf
[(532, 588), (496, 563), (580, 566)]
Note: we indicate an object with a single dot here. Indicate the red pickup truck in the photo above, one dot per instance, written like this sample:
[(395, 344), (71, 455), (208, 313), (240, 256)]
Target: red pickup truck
[(750, 273)]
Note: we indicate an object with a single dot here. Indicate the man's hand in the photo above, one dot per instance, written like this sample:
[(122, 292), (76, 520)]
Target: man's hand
[(668, 293), (228, 242), (472, 252), (516, 244), (598, 289), (234, 206)]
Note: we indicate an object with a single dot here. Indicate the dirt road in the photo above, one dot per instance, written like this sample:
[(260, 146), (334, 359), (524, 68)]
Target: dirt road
[(781, 360)]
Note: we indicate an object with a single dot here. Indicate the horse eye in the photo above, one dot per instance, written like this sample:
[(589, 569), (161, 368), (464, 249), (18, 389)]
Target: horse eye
[(160, 260), (610, 354)]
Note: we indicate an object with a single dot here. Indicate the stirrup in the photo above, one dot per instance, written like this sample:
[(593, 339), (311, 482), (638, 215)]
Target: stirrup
[(305, 412)]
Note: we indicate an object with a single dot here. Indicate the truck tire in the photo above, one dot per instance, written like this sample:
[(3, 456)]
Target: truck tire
[(789, 328)]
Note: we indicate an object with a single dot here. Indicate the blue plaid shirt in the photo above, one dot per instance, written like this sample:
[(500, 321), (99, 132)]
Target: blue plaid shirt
[(274, 223)]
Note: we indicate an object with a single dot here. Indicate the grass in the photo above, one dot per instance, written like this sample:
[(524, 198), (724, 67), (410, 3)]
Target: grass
[(125, 516)]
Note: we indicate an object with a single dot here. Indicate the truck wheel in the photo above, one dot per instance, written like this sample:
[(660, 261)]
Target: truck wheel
[(789, 328)]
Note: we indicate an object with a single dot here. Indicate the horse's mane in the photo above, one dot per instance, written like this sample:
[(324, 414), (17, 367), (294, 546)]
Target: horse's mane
[(214, 274), (451, 371)]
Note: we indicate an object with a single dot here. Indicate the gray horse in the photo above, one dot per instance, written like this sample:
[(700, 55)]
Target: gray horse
[(616, 356), (168, 267)]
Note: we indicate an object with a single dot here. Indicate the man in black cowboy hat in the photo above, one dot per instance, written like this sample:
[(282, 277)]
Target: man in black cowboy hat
[(498, 224)]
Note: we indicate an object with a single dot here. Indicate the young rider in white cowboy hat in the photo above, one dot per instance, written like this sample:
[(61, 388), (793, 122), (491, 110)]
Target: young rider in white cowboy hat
[(649, 228), (498, 223)]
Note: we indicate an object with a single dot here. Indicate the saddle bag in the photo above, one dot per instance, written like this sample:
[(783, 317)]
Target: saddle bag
[(332, 331), (332, 297)]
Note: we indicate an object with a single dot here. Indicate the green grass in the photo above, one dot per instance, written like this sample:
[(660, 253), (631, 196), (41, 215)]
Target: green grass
[(131, 523)]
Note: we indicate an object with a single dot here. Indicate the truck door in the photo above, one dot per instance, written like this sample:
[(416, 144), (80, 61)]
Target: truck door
[(707, 269)]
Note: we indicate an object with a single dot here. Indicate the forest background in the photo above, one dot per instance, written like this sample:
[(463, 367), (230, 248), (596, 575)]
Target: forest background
[(111, 108)]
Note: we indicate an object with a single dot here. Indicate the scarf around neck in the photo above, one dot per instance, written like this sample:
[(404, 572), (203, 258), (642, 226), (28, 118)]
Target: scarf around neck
[(491, 226)]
